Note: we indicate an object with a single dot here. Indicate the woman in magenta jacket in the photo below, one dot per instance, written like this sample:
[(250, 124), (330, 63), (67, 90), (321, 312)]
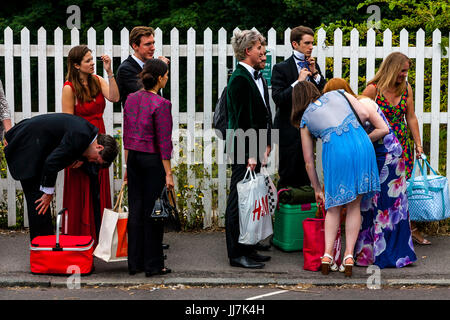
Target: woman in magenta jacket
[(147, 137)]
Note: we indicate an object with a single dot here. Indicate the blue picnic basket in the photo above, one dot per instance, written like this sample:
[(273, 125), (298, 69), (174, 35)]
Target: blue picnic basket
[(428, 195)]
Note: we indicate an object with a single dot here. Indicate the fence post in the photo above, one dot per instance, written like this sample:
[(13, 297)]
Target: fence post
[(337, 54), (222, 175), (207, 127), (370, 59), (435, 99), (419, 81)]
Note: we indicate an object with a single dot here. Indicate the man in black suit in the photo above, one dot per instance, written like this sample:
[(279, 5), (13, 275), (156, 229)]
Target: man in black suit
[(143, 43), (39, 147), (247, 109), (142, 40), (285, 75)]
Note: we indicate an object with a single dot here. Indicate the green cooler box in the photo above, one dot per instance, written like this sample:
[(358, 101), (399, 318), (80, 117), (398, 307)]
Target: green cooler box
[(288, 225)]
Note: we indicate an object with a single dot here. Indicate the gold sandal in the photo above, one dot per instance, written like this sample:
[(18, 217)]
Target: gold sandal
[(417, 240)]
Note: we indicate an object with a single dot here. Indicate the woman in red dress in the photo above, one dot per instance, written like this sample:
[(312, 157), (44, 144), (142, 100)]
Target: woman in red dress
[(86, 187)]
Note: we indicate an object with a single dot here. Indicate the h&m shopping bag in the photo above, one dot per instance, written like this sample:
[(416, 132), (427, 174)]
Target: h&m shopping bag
[(113, 237), (255, 221), (428, 195)]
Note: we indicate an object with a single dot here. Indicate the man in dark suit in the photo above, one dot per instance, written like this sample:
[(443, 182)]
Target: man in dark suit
[(143, 43), (247, 109), (39, 147), (285, 75), (142, 40)]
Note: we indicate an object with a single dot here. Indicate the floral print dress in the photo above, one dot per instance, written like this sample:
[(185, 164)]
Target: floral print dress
[(396, 118), (385, 237)]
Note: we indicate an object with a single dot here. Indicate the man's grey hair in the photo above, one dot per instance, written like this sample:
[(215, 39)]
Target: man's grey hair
[(245, 39)]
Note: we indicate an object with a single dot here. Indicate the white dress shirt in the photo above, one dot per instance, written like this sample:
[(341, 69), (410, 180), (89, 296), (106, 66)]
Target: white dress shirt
[(139, 61), (301, 56), (258, 82)]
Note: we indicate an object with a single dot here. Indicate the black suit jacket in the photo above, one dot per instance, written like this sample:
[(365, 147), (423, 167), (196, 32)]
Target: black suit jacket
[(127, 78), (283, 75), (246, 107), (41, 146)]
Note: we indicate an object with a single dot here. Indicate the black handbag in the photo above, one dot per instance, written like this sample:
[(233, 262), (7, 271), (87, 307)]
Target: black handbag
[(166, 209)]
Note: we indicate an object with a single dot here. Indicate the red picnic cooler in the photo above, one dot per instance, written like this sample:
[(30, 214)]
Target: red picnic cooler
[(61, 254)]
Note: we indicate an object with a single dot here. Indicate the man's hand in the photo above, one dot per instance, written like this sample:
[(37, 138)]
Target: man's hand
[(44, 203), (76, 164), (266, 156), (304, 74), (166, 60), (312, 64), (251, 163)]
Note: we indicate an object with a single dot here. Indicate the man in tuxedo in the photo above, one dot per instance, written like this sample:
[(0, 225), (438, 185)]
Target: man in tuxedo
[(142, 40), (247, 109), (39, 147), (264, 245), (285, 75)]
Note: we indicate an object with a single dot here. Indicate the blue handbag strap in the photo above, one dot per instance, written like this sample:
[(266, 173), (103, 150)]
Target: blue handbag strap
[(424, 175), (429, 166)]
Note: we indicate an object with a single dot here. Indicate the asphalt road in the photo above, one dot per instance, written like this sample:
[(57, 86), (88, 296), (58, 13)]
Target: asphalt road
[(258, 293)]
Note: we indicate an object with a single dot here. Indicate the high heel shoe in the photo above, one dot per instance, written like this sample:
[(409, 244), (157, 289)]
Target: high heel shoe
[(326, 265), (418, 238), (347, 267)]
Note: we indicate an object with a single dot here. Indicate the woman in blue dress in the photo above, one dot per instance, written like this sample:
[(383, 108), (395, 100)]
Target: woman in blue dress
[(348, 159), (385, 237)]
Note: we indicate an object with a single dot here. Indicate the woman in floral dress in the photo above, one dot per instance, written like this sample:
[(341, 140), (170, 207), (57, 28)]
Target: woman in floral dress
[(394, 96), (385, 235)]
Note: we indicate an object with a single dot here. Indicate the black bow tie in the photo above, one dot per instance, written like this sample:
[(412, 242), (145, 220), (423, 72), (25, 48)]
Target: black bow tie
[(257, 75)]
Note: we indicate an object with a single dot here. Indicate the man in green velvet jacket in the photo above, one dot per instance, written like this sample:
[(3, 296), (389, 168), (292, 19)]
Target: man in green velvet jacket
[(249, 119)]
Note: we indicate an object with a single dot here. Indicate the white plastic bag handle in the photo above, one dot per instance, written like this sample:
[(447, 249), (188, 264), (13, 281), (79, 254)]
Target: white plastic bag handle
[(252, 174)]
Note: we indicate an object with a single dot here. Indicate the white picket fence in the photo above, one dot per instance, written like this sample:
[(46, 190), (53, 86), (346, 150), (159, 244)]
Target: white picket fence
[(198, 121)]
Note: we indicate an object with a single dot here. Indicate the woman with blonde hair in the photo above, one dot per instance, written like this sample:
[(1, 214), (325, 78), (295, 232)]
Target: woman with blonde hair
[(393, 94), (385, 235), (86, 186)]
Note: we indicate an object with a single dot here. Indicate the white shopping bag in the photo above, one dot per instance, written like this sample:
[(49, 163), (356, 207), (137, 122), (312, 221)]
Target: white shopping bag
[(273, 193), (113, 237), (255, 221)]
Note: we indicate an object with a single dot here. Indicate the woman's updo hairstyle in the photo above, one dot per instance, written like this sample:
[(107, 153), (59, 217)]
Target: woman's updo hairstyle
[(153, 69)]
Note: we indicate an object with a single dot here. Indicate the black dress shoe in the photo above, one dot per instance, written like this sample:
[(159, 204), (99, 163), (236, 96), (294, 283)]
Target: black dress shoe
[(158, 272), (165, 246), (246, 262), (258, 258), (262, 247)]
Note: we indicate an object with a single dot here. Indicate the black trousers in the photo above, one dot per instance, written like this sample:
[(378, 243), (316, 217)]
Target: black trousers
[(146, 179), (40, 224), (291, 168), (234, 248)]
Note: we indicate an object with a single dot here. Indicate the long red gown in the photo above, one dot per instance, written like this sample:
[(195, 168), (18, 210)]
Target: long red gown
[(77, 196)]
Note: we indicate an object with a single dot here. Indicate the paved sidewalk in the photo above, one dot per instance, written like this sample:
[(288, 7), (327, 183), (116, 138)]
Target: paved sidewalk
[(200, 259)]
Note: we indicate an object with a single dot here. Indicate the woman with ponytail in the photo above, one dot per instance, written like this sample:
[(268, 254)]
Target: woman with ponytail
[(147, 138)]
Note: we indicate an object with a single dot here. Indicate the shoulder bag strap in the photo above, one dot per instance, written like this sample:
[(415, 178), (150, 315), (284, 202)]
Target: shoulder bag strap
[(351, 106)]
